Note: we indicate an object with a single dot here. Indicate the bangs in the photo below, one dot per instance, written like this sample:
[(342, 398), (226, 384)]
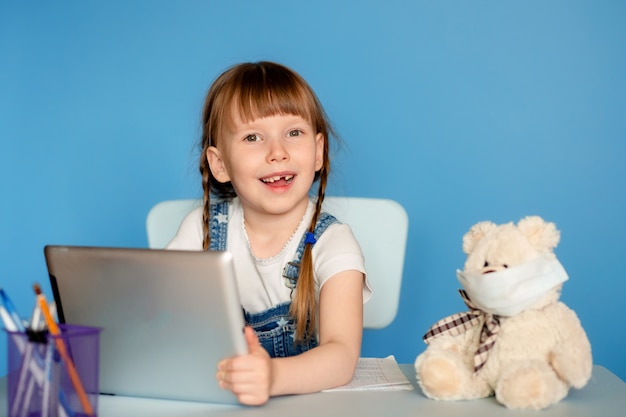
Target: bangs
[(270, 92)]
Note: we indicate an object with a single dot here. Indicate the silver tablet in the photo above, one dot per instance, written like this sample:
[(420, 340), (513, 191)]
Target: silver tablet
[(168, 317)]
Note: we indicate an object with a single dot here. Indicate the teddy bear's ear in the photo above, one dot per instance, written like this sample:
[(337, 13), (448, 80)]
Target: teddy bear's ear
[(541, 234), (476, 232)]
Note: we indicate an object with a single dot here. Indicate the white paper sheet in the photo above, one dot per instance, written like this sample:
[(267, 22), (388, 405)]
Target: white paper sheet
[(381, 374)]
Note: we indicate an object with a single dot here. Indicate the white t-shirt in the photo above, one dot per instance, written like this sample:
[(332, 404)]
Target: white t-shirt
[(260, 281)]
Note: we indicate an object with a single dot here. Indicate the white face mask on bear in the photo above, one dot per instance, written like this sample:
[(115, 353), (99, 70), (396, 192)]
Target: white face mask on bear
[(512, 290)]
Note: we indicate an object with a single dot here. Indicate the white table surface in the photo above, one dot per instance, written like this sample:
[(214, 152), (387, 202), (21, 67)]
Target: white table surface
[(604, 395)]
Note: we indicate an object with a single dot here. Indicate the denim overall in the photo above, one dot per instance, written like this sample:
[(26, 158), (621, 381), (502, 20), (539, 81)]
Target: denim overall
[(274, 327)]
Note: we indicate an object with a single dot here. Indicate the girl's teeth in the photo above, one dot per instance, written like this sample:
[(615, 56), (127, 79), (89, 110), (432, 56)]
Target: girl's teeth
[(277, 178)]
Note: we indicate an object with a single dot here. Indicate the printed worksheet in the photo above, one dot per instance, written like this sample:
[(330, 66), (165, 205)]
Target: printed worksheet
[(377, 374)]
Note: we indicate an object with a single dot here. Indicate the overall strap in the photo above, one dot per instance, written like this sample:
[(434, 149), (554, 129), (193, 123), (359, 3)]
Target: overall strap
[(218, 225), (292, 269)]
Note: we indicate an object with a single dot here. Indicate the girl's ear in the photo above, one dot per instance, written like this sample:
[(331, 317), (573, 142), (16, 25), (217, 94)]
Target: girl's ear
[(216, 163), (319, 151)]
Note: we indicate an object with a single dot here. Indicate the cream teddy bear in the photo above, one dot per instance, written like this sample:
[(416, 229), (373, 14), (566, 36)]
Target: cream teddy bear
[(517, 340)]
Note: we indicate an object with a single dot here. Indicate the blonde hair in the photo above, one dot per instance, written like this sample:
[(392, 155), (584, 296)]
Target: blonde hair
[(257, 90)]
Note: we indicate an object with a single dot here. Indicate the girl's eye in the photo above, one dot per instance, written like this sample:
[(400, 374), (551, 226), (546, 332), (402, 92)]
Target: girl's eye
[(252, 138), (294, 133)]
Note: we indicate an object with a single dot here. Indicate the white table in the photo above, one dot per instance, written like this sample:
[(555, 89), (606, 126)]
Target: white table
[(604, 395)]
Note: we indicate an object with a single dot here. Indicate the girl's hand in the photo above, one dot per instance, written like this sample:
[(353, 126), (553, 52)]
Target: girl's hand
[(248, 376)]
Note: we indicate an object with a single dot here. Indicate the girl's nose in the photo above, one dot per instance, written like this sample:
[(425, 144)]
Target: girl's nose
[(277, 151)]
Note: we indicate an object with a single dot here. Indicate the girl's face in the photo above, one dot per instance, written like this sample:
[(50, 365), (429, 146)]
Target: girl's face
[(270, 161)]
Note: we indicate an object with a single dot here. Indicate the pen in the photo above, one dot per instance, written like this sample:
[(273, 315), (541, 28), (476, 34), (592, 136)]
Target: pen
[(52, 390), (35, 319), (7, 320), (55, 331), (27, 398), (23, 380), (10, 313)]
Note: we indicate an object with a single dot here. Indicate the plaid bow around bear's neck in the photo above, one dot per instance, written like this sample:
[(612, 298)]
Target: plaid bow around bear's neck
[(461, 322)]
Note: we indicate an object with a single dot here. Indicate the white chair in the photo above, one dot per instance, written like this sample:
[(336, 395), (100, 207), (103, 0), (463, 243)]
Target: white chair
[(380, 226)]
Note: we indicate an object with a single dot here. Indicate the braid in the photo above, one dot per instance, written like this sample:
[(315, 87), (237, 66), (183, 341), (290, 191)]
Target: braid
[(205, 168), (206, 203), (304, 306)]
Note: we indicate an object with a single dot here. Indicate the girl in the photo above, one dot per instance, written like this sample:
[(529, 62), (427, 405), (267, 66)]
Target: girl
[(300, 273)]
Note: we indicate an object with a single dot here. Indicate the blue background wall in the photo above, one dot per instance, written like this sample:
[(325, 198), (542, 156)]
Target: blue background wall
[(461, 111)]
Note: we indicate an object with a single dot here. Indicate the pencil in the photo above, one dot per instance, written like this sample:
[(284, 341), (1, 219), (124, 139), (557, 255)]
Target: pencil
[(55, 331)]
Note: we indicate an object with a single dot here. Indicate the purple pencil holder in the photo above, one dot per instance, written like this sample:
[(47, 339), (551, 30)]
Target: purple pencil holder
[(54, 376)]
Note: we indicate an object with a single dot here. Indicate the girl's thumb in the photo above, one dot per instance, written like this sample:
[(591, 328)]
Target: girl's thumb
[(251, 339)]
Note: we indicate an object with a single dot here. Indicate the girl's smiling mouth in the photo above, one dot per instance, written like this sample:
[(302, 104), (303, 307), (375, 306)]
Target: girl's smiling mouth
[(278, 179)]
